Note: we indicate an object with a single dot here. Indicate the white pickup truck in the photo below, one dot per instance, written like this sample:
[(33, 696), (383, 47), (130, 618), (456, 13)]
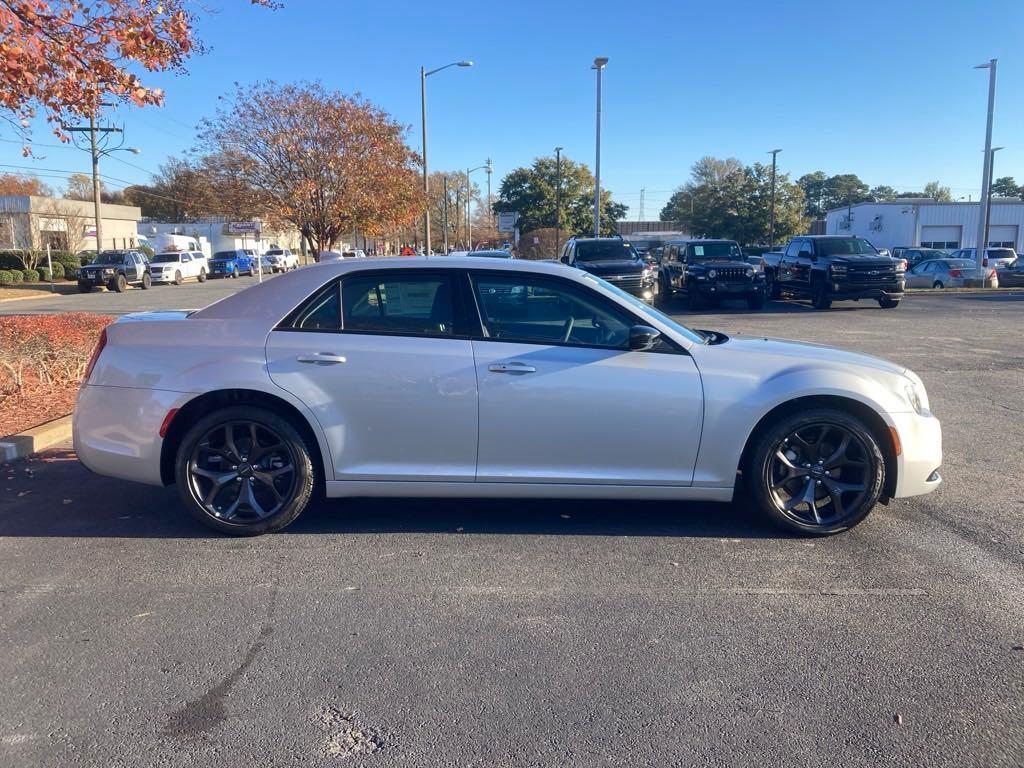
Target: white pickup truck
[(178, 266)]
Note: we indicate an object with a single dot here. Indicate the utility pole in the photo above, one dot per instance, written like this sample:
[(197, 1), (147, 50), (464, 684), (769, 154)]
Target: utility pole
[(599, 65), (558, 199), (640, 215), (490, 213), (986, 179), (95, 151), (771, 226), (445, 212)]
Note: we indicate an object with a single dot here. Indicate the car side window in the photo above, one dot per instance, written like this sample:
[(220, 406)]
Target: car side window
[(792, 249), (407, 304), (322, 312), (533, 310), (806, 249)]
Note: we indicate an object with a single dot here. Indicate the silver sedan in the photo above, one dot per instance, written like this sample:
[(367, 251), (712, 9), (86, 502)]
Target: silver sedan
[(951, 273)]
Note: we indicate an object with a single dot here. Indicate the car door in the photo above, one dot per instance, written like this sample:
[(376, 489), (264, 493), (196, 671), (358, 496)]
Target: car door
[(382, 360), (918, 276), (563, 399), (784, 276)]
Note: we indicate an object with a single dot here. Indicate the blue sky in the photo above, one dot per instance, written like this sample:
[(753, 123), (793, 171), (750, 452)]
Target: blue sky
[(882, 89)]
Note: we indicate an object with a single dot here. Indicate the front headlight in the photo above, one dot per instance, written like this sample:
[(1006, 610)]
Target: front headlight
[(108, 271), (914, 397), (712, 273), (838, 270)]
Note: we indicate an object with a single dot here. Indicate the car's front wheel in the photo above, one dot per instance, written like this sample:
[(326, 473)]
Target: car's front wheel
[(244, 470), (887, 303), (816, 472), (202, 275), (119, 284), (147, 281), (755, 301), (84, 287)]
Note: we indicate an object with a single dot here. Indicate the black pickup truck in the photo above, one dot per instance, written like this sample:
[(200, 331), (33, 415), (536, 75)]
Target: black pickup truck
[(827, 268)]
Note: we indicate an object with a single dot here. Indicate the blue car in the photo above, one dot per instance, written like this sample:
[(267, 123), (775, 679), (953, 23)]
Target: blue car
[(231, 264)]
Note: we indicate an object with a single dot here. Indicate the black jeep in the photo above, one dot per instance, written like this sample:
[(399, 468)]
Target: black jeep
[(116, 270), (708, 270)]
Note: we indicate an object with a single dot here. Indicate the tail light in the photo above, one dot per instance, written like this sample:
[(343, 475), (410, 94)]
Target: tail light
[(95, 355), (954, 273)]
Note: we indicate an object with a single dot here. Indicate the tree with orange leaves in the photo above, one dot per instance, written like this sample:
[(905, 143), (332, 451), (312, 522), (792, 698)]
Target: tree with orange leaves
[(67, 56), (11, 184), (328, 163)]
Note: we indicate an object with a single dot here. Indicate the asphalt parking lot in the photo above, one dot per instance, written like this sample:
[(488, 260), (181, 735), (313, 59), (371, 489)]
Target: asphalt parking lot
[(459, 633)]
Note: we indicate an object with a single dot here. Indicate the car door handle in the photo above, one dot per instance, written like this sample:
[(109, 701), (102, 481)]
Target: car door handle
[(513, 367), (321, 358)]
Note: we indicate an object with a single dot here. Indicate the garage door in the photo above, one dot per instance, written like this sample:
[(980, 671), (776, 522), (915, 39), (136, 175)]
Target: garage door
[(940, 237), (1002, 236)]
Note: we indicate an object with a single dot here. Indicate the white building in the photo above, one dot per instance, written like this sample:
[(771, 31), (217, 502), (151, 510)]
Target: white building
[(212, 234), (927, 223), (31, 222)]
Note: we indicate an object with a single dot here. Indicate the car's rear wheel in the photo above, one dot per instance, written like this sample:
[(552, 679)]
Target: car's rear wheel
[(816, 472), (244, 470), (938, 284)]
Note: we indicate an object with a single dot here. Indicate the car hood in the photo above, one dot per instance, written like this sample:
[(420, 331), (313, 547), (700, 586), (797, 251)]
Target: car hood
[(802, 352), (223, 261), (718, 263), (612, 266)]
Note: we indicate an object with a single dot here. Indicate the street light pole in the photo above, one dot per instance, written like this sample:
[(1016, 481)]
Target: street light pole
[(558, 199), (424, 74), (490, 213), (771, 226), (469, 203), (599, 65), (986, 179), (988, 200)]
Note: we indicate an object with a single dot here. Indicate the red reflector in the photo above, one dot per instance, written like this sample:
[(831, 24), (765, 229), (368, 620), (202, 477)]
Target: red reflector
[(95, 355), (167, 422)]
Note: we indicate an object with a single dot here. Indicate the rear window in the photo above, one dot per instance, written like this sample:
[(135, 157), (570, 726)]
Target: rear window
[(961, 263), (416, 304), (1000, 253)]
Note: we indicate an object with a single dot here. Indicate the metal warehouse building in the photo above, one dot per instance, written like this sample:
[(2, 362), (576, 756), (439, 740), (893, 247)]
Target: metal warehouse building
[(930, 224)]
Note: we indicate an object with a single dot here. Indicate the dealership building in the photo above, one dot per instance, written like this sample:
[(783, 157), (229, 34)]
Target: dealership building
[(929, 224)]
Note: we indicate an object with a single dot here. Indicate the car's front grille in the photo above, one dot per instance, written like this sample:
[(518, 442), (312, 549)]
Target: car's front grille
[(871, 273), (731, 274), (631, 283)]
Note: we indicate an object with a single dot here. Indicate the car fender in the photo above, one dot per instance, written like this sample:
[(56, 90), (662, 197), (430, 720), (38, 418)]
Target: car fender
[(735, 404)]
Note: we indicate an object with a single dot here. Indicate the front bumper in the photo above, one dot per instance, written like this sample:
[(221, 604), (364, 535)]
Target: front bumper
[(162, 277), (921, 455), (116, 430), (867, 290), (96, 279), (712, 288)]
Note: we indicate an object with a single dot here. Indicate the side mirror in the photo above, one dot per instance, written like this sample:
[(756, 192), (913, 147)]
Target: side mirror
[(565, 259), (642, 337)]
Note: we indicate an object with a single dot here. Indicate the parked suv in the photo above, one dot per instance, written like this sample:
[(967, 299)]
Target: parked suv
[(178, 266), (231, 264), (826, 268), (706, 270), (994, 257), (116, 270), (281, 259), (615, 260)]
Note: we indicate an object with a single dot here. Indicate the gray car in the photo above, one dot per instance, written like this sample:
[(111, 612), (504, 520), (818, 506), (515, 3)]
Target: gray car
[(951, 273)]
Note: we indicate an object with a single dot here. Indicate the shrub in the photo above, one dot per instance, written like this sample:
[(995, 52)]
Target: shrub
[(49, 350), (58, 270), (44, 274), (17, 276), (30, 275), (6, 278)]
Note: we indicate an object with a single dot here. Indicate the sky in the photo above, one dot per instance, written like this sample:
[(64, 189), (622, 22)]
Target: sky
[(886, 90)]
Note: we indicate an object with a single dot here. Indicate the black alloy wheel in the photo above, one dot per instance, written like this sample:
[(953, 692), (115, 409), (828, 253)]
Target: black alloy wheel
[(818, 472), (244, 470)]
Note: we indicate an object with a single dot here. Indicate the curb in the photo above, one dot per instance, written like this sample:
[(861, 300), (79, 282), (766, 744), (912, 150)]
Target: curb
[(36, 439), (46, 295)]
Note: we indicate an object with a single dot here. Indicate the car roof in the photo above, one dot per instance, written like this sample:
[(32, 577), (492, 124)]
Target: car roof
[(274, 299)]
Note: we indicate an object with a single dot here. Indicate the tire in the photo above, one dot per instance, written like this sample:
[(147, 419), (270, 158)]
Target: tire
[(147, 281), (234, 273), (887, 303), (177, 278), (786, 448), (664, 298), (84, 287), (938, 284), (694, 301), (819, 296), (771, 287), (211, 501), (755, 301), (119, 284), (202, 275)]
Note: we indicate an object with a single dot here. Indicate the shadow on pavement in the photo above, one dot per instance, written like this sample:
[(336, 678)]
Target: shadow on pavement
[(63, 499)]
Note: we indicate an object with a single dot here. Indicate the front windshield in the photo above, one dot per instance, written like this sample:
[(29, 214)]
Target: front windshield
[(845, 246), (604, 250), (110, 257), (647, 309), (224, 255), (163, 258), (699, 251), (275, 253), (493, 254)]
